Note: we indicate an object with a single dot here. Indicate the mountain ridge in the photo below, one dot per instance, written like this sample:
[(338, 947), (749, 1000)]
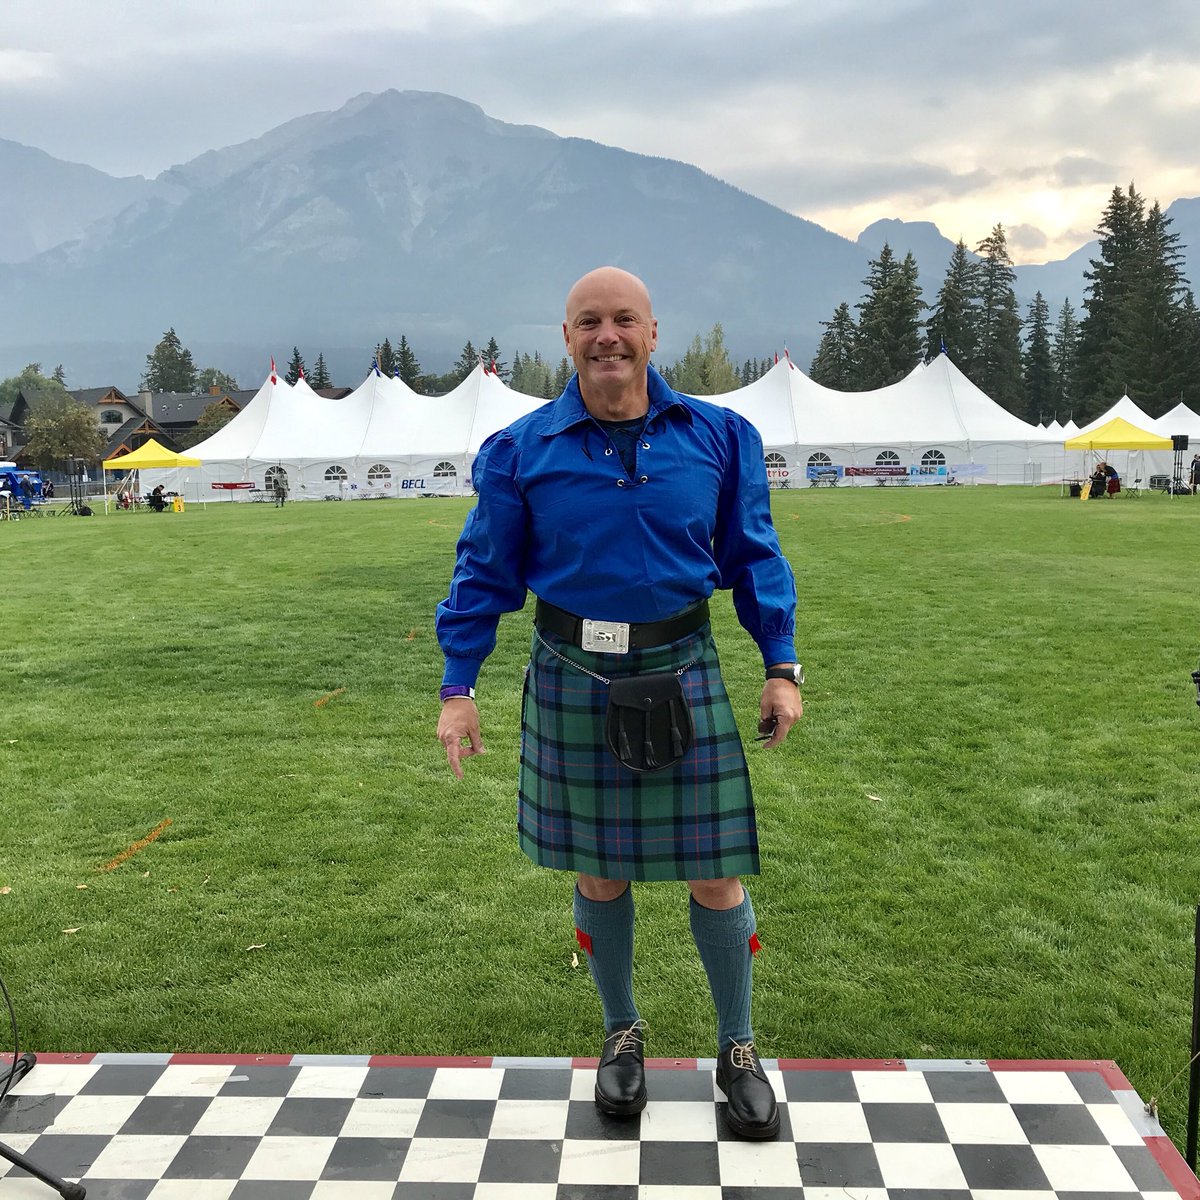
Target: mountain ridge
[(418, 213)]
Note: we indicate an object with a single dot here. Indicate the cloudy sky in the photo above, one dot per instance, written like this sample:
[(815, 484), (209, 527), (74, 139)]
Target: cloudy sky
[(1025, 112)]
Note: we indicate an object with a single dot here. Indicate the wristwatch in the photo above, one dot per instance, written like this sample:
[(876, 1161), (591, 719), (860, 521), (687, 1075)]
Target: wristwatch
[(794, 674), (452, 691)]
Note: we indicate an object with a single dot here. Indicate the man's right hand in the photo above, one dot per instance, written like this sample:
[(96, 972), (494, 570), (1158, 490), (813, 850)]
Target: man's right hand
[(459, 724)]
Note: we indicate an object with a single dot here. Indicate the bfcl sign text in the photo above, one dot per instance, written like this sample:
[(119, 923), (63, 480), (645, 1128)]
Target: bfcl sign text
[(407, 485)]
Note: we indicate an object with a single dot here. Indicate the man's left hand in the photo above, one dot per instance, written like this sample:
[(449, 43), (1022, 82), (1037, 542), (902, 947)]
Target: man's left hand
[(780, 708)]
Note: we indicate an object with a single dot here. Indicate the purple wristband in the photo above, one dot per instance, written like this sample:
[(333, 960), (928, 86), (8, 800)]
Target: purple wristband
[(458, 689)]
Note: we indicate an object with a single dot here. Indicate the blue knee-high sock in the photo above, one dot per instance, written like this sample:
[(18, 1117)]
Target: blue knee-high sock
[(723, 939), (607, 928)]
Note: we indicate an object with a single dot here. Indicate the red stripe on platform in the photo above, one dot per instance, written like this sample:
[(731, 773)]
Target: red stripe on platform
[(841, 1064), (1105, 1068), (1173, 1167), (654, 1064), (84, 1057), (409, 1060), (232, 1060)]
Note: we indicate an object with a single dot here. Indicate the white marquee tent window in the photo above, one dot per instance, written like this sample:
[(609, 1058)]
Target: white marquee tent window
[(775, 461), (445, 470), (887, 458), (820, 459), (274, 473), (933, 458), (379, 473), (336, 474)]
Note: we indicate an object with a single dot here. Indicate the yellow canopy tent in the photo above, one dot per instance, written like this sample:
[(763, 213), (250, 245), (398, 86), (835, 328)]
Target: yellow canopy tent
[(152, 454), (1118, 434)]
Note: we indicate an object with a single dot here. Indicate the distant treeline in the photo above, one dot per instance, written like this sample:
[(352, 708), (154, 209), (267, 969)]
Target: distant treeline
[(1140, 331)]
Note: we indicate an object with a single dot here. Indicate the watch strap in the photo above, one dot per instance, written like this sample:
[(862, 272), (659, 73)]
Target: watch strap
[(457, 689)]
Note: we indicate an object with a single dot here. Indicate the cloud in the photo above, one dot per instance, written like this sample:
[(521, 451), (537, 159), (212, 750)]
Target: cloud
[(18, 67), (1026, 238)]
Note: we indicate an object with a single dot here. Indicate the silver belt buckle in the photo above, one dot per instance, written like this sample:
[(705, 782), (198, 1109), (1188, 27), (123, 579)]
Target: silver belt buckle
[(605, 637)]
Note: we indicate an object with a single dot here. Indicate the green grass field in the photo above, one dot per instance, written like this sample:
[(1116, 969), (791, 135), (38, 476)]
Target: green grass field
[(980, 842)]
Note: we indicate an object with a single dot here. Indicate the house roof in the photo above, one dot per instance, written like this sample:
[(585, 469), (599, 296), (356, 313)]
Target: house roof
[(184, 408), (124, 440), (95, 397)]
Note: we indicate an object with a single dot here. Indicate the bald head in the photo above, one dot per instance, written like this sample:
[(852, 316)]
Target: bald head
[(609, 282), (610, 333)]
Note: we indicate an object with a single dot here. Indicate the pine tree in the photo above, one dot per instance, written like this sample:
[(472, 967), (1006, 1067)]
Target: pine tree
[(295, 371), (705, 370), (888, 342), (1041, 386), (406, 363), (952, 324), (1066, 342), (385, 358), (59, 375), (215, 416), (834, 365), (208, 378), (562, 375), (1189, 350), (998, 365), (169, 367), (468, 360), (320, 377), (492, 360), (1099, 369)]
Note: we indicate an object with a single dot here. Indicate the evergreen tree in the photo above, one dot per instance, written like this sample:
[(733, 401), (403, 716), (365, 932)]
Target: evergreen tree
[(562, 375), (169, 366), (295, 371), (952, 323), (30, 382), (1041, 385), (320, 377), (1066, 341), (468, 360), (59, 375), (1100, 375), (385, 357), (835, 365), (705, 370), (888, 342), (210, 377), (492, 360), (1189, 351), (406, 363), (997, 367)]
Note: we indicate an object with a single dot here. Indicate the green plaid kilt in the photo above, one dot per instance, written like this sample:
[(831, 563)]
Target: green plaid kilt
[(579, 809)]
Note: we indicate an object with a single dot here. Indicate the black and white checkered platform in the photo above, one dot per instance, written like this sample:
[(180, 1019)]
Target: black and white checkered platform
[(187, 1127)]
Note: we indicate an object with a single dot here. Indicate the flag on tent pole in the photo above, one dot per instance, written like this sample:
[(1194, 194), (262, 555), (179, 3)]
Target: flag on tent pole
[(942, 344), (494, 371), (300, 370), (274, 377), (777, 358), (375, 366)]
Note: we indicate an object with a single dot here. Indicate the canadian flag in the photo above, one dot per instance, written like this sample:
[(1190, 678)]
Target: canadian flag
[(274, 377)]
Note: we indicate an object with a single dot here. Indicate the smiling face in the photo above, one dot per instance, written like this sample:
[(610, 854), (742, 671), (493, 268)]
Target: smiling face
[(610, 333)]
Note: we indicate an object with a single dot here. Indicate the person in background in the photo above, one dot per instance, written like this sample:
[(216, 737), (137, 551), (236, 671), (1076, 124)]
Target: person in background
[(158, 501)]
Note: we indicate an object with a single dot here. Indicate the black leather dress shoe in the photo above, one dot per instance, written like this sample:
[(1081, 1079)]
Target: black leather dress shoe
[(621, 1076), (751, 1111)]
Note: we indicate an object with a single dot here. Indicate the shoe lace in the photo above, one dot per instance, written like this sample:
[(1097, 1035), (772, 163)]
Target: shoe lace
[(743, 1057), (629, 1039)]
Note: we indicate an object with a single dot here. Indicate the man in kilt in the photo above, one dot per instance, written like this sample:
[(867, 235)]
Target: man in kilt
[(622, 505)]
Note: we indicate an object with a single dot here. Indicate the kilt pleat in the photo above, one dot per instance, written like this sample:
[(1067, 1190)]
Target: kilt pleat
[(579, 809)]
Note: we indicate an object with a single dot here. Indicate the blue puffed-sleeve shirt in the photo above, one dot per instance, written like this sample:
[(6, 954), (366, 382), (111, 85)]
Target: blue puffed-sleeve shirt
[(559, 515)]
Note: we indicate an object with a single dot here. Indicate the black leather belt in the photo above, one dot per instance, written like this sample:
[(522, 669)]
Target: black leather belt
[(568, 626)]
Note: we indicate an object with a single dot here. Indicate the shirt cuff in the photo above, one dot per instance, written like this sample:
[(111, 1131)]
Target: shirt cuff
[(461, 672), (778, 650)]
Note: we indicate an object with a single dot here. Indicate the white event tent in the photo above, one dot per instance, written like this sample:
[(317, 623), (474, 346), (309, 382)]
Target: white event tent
[(934, 426), (1141, 464)]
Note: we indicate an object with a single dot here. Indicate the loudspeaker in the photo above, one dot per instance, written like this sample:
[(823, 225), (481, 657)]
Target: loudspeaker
[(1179, 441)]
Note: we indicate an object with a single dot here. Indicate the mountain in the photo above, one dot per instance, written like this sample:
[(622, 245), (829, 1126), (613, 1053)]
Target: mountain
[(415, 213), (46, 201)]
